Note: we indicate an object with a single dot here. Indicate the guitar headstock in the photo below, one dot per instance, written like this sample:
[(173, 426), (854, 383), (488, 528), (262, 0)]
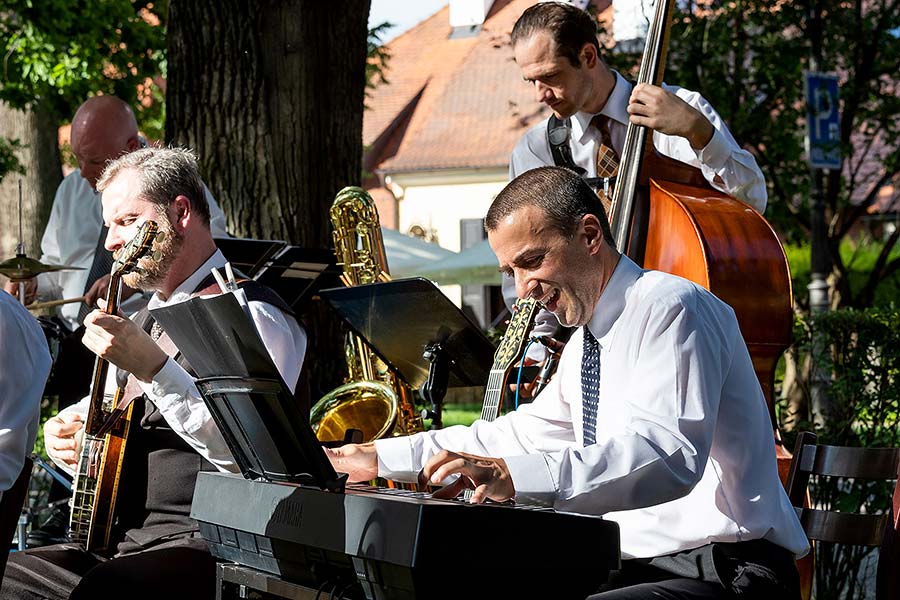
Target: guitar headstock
[(125, 259), (513, 342)]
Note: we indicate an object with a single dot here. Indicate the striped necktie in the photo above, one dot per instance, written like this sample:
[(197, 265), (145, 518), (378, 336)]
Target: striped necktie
[(590, 386)]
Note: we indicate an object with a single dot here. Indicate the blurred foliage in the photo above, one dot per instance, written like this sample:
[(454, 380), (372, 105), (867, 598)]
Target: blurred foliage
[(60, 52), (377, 57), (860, 257), (748, 58), (9, 162), (864, 391)]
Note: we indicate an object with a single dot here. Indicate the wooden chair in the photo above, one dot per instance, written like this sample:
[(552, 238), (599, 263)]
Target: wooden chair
[(850, 528), (10, 510)]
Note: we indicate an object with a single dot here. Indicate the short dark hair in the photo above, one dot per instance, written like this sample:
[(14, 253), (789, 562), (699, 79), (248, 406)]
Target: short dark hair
[(569, 27), (164, 174), (563, 196)]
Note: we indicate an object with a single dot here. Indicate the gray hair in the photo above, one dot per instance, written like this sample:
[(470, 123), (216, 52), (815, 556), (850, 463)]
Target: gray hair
[(163, 175)]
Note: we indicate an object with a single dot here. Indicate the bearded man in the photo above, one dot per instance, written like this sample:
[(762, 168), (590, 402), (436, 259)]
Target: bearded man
[(156, 551)]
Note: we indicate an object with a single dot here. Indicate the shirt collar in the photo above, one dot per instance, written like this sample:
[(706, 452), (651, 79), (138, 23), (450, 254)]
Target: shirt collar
[(183, 292), (616, 108), (611, 303)]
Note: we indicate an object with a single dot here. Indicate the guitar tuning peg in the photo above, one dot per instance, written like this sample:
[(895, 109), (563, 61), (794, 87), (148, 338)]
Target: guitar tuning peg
[(157, 255), (160, 237)]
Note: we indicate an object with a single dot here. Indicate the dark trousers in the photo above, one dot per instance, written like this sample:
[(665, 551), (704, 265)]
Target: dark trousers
[(754, 569), (63, 571)]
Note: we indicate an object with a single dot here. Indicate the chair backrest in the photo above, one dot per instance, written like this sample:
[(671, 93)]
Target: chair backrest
[(850, 528), (10, 510)]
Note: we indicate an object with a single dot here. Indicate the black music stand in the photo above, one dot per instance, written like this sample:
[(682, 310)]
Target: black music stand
[(425, 338), (248, 255), (299, 273), (264, 428)]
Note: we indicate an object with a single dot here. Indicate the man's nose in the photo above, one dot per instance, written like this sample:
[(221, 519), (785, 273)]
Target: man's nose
[(541, 92), (524, 286), (113, 241)]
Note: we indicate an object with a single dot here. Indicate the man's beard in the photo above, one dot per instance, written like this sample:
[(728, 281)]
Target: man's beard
[(153, 269)]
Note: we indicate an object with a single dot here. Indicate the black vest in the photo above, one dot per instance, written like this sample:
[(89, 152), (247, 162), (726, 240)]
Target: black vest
[(160, 468)]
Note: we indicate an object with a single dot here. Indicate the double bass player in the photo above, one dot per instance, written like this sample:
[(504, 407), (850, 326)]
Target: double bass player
[(557, 51)]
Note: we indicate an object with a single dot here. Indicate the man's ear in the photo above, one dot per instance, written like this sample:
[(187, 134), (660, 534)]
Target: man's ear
[(588, 56), (591, 233), (182, 212), (132, 144)]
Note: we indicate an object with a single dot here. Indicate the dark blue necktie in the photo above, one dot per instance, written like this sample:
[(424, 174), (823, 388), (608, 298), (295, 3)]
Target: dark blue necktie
[(590, 386), (100, 266)]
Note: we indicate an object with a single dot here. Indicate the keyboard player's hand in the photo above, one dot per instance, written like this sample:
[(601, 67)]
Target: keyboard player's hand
[(488, 477), (358, 461)]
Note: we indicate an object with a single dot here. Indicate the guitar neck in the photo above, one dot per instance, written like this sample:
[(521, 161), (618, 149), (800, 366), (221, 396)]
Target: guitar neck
[(493, 395), (99, 403)]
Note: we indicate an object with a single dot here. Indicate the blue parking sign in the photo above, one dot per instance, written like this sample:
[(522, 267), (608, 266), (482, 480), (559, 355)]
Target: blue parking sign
[(823, 126)]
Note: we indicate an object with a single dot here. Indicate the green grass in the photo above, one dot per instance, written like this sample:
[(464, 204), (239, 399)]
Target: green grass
[(461, 414)]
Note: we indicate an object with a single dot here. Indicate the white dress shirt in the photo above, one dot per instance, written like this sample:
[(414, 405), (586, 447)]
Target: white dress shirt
[(728, 167), (25, 362), (174, 393), (684, 453), (71, 238)]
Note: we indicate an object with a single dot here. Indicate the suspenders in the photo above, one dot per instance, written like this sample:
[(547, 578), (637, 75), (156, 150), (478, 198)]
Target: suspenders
[(558, 134)]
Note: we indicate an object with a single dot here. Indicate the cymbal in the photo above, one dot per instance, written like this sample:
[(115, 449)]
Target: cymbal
[(21, 267)]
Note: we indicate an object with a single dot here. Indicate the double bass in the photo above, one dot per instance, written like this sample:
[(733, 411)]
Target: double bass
[(666, 217)]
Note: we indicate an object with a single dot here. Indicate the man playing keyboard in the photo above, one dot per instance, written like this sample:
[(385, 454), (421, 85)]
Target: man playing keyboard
[(655, 418)]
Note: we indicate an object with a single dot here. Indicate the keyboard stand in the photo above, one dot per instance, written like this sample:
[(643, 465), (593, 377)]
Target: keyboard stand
[(233, 582)]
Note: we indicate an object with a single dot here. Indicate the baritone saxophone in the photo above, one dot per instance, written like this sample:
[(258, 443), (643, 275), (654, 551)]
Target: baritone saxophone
[(372, 399)]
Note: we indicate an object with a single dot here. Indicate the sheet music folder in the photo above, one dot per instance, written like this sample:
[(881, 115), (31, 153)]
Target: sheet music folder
[(399, 319), (249, 255), (298, 273), (267, 433)]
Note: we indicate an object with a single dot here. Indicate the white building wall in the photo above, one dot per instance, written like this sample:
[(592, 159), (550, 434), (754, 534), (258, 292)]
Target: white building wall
[(438, 201), (440, 208)]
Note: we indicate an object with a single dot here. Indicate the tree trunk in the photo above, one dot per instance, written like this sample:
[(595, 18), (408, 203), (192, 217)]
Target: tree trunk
[(795, 390), (37, 132), (270, 96)]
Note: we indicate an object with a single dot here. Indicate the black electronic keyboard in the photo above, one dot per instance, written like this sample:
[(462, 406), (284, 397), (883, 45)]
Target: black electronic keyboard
[(384, 543)]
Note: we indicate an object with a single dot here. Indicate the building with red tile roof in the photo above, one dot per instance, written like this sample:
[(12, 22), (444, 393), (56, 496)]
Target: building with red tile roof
[(453, 107), (438, 133)]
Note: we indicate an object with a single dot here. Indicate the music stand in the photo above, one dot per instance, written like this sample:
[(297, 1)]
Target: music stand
[(425, 338), (264, 428), (248, 255), (298, 273)]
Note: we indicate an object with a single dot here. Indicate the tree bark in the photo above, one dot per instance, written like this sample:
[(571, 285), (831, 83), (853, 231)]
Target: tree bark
[(270, 96), (37, 132)]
